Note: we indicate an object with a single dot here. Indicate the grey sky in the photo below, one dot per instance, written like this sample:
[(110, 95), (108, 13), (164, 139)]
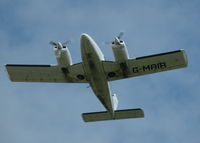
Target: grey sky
[(44, 112)]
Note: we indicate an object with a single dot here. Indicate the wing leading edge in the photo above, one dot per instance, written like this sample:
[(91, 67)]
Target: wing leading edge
[(145, 65), (46, 73)]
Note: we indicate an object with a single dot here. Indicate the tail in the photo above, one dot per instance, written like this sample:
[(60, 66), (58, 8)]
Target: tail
[(118, 114)]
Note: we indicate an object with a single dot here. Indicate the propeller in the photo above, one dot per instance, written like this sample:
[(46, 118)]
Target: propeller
[(118, 37), (62, 44)]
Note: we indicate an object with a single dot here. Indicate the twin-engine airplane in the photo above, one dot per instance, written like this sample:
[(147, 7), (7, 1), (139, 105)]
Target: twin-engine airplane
[(98, 73)]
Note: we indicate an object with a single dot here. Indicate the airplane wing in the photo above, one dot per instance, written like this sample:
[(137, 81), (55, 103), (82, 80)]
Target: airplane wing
[(145, 65), (46, 73)]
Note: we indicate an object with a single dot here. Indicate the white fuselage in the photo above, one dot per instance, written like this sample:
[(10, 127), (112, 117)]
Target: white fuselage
[(92, 58)]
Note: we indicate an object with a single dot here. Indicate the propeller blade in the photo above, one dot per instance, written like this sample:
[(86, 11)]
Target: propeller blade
[(53, 43), (107, 43), (120, 35), (67, 43)]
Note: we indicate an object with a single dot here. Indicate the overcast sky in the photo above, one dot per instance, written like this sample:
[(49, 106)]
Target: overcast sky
[(51, 112)]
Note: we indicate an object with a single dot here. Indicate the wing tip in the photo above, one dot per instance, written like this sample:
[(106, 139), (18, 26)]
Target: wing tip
[(185, 57)]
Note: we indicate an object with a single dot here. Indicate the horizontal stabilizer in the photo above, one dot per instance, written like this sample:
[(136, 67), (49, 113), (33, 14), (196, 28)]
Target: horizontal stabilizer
[(119, 114)]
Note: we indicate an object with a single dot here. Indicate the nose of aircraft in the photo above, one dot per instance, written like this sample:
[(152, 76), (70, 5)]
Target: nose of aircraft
[(88, 45), (84, 37), (86, 42)]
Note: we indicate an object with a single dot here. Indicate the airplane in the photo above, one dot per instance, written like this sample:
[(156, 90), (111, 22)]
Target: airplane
[(98, 72)]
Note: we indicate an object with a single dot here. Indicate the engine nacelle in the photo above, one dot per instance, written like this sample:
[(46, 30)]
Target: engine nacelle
[(63, 55), (119, 50)]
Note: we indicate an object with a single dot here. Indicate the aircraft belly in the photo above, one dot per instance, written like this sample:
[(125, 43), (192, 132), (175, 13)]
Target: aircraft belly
[(97, 79), (101, 89), (98, 82), (92, 63)]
